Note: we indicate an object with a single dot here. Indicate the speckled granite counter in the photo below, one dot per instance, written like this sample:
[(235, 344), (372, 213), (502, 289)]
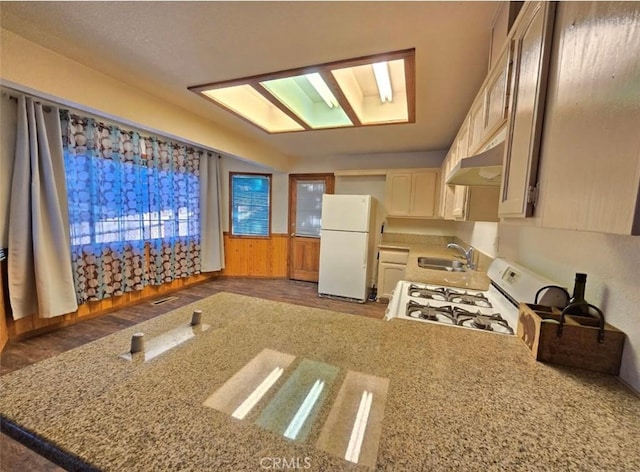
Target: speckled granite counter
[(458, 400), (473, 279)]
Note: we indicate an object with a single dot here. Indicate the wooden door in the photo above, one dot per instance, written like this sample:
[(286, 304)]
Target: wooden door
[(305, 211)]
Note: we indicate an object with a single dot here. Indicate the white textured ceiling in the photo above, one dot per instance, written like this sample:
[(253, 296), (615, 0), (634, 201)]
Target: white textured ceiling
[(165, 47)]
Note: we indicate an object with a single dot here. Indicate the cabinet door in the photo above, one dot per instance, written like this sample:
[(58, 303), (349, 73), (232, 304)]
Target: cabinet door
[(482, 204), (398, 193), (496, 95), (388, 276), (477, 123), (459, 202), (446, 191), (462, 143), (448, 196), (591, 155), (531, 51), (424, 194)]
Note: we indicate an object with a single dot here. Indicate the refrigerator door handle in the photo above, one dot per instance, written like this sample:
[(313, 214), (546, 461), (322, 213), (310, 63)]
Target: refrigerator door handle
[(365, 256)]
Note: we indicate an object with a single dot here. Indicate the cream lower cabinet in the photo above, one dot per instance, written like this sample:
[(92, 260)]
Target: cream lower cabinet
[(412, 193), (391, 267)]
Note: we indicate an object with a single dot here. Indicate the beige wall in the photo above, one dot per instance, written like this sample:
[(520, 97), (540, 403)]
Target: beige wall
[(588, 167), (611, 262), (31, 68), (355, 185), (398, 160), (481, 235)]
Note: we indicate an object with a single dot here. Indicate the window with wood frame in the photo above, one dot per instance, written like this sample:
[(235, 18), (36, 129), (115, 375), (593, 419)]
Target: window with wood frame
[(250, 204)]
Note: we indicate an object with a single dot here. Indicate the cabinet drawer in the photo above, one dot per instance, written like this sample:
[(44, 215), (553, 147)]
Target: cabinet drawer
[(394, 257)]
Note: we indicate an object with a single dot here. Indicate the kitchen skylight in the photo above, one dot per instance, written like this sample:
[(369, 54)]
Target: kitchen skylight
[(365, 91)]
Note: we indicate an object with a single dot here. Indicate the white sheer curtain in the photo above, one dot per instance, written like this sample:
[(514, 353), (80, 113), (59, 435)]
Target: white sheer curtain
[(211, 241), (40, 278)]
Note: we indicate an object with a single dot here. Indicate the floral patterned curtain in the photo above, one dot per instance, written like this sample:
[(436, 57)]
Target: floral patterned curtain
[(133, 208), (174, 196)]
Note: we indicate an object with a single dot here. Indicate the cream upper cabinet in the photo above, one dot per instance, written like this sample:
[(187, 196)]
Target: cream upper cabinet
[(489, 110), (462, 141), (590, 159), (424, 197), (475, 203), (477, 119), (446, 191), (412, 193), (398, 193), (496, 94), (482, 204), (459, 202), (458, 197), (531, 44)]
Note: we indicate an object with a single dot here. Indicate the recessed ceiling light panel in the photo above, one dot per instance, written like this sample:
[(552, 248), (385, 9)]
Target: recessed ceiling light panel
[(371, 90), (248, 103), (309, 97), (373, 103)]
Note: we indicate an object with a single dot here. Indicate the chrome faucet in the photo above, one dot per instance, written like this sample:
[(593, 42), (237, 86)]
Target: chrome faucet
[(468, 254)]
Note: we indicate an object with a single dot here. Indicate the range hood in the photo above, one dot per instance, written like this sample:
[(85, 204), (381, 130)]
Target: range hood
[(483, 169)]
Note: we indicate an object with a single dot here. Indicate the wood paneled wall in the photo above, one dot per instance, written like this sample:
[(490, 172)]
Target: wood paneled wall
[(244, 257), (31, 325), (256, 257)]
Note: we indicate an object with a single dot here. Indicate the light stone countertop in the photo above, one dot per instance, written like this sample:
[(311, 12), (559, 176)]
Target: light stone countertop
[(457, 399), (471, 279)]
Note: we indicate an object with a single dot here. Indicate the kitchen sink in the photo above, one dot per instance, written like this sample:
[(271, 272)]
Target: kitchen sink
[(437, 263)]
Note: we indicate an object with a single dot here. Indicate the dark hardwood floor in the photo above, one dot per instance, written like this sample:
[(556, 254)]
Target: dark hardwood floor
[(16, 355)]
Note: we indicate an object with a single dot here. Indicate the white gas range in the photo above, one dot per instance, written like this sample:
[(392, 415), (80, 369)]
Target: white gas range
[(494, 310)]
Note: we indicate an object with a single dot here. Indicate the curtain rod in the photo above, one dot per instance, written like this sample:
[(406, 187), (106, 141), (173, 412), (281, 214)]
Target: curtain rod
[(45, 105), (48, 104), (8, 91)]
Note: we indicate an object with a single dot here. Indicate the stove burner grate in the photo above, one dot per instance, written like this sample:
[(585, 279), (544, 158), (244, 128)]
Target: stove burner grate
[(449, 295), (428, 312), (481, 323), (457, 316)]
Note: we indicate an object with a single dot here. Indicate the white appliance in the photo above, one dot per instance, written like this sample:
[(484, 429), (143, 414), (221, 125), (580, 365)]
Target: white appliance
[(494, 310), (347, 242)]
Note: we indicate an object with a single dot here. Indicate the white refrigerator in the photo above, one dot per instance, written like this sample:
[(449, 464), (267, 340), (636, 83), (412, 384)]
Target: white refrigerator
[(347, 245)]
